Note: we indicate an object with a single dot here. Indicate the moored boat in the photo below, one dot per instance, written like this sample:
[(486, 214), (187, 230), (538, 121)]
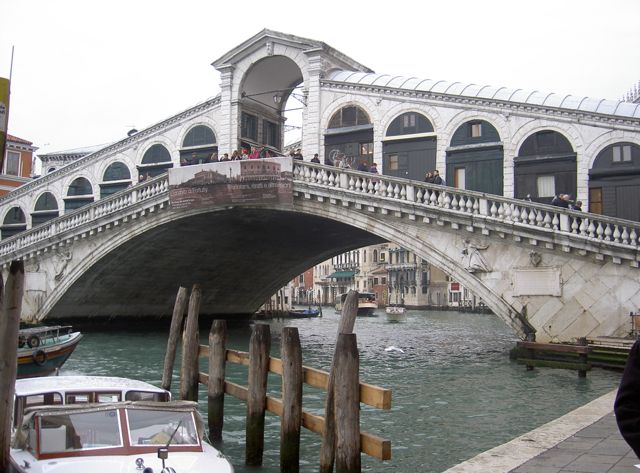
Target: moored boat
[(43, 350), (105, 424), (303, 313), (120, 436), (367, 303)]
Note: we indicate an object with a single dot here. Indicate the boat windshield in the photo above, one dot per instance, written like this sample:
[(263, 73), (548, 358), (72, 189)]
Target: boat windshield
[(66, 432), (161, 427)]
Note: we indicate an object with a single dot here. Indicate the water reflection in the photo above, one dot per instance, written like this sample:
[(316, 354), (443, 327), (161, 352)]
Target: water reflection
[(455, 391)]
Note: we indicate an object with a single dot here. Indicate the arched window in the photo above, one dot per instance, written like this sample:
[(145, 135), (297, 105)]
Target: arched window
[(156, 160), (545, 166), (409, 147), (409, 123), (349, 138), (14, 222), (116, 178), (198, 146), (614, 181), (348, 116), (80, 193), (475, 158), (375, 256), (45, 209)]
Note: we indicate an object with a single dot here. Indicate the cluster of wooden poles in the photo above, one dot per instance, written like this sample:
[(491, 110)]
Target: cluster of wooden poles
[(342, 440)]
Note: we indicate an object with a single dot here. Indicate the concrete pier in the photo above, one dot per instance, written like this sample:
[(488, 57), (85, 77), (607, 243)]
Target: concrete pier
[(585, 440)]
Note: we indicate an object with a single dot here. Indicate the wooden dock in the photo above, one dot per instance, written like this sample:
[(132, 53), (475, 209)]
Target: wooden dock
[(586, 353)]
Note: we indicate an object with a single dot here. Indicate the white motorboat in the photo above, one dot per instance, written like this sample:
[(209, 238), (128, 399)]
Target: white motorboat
[(86, 423), (394, 309), (367, 303)]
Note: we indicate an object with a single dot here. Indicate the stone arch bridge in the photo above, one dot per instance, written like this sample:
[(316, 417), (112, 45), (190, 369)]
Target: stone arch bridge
[(547, 271)]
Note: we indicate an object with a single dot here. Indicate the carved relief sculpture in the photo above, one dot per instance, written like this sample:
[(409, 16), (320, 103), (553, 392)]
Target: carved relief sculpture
[(473, 259)]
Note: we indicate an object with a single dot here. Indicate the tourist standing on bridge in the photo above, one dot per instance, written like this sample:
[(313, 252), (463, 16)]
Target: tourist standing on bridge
[(374, 168), (561, 200), (316, 159), (298, 155), (437, 179), (627, 404)]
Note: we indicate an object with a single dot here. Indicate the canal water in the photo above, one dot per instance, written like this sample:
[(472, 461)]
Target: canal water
[(456, 393)]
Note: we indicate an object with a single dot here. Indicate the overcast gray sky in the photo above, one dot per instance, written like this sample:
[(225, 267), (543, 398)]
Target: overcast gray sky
[(85, 72)]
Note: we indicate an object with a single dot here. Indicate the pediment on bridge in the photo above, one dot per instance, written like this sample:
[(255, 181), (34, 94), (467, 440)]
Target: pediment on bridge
[(266, 40)]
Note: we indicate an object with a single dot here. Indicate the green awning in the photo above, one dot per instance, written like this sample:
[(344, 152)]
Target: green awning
[(341, 274)]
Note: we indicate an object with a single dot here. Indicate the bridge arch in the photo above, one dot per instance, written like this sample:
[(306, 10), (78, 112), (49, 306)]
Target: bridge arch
[(357, 230)]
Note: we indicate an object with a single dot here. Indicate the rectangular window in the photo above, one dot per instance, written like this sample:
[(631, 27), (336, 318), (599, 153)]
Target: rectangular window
[(270, 134), (476, 130), (366, 149), (383, 257), (384, 281), (409, 120), (626, 153), (301, 279), (617, 153), (393, 162), (595, 200), (12, 166), (459, 178), (249, 126), (546, 186)]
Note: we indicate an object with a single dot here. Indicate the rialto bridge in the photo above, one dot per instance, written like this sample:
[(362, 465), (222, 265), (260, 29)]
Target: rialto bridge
[(557, 273), (98, 243)]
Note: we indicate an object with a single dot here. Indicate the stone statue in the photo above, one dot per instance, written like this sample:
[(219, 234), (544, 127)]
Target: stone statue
[(474, 261)]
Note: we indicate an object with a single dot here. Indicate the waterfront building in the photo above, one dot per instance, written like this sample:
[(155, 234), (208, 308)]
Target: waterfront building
[(18, 164)]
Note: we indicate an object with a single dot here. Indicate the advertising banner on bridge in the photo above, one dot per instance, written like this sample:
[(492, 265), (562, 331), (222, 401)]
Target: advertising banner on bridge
[(252, 181)]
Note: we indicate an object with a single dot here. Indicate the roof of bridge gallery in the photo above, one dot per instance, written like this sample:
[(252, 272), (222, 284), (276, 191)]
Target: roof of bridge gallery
[(503, 94)]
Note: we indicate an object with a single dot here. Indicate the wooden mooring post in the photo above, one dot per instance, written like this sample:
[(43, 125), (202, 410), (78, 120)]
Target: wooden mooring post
[(11, 303), (259, 348), (291, 401), (328, 448), (190, 349), (347, 405), (351, 441), (215, 389), (174, 336)]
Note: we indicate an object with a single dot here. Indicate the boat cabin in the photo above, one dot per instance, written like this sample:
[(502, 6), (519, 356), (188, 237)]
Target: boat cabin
[(69, 390), (122, 428)]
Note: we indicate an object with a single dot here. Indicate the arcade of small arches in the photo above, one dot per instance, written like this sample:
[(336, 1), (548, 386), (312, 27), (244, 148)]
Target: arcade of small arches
[(544, 165)]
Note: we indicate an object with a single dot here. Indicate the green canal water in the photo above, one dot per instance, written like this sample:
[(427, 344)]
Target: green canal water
[(456, 393)]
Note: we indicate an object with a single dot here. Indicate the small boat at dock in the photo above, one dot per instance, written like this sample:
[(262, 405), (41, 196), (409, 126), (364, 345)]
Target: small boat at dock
[(304, 313), (104, 424), (43, 350)]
